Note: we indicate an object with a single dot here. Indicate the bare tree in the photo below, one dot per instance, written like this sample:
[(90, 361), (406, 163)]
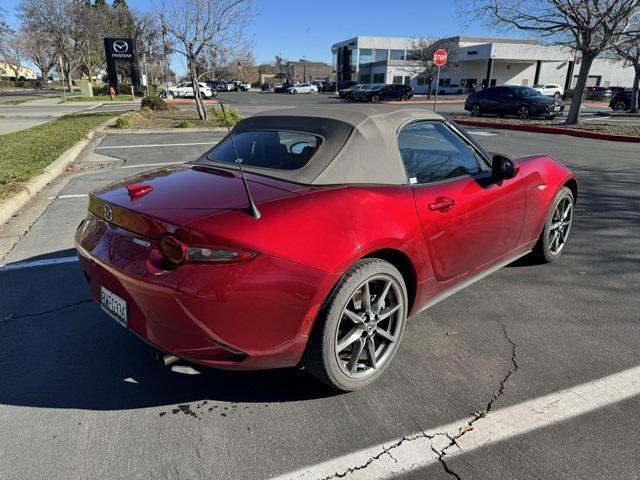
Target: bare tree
[(5, 31), (590, 27), (629, 52), (200, 26), (422, 53), (58, 22), (43, 54), (14, 53)]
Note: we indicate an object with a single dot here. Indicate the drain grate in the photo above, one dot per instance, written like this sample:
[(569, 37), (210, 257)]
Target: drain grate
[(95, 165)]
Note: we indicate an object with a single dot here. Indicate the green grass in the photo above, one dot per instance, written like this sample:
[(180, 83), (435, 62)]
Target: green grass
[(17, 101), (101, 98), (26, 153)]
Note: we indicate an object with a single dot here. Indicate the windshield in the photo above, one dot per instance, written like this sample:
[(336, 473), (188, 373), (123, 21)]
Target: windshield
[(524, 92), (279, 150)]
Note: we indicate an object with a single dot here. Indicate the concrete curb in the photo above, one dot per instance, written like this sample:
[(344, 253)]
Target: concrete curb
[(13, 204), (551, 130), (142, 131)]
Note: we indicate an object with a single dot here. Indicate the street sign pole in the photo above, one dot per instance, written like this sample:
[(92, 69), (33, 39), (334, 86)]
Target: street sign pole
[(435, 98), (439, 59)]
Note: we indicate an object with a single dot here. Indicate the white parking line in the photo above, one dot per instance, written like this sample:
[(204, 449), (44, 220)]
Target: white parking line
[(157, 145), (37, 263), (72, 195), (482, 133), (152, 164), (414, 452)]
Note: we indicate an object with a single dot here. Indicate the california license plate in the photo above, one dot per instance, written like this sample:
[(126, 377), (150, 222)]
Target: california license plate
[(115, 306), (556, 109)]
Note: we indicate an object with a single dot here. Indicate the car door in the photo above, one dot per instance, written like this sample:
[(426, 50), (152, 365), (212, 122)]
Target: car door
[(468, 220), (490, 102)]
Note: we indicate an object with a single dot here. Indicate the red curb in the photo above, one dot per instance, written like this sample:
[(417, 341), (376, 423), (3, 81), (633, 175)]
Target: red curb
[(185, 101), (552, 130)]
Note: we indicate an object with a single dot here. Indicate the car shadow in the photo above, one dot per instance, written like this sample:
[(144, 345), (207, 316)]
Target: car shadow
[(59, 350)]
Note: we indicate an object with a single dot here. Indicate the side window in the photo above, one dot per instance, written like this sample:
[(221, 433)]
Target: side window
[(431, 152)]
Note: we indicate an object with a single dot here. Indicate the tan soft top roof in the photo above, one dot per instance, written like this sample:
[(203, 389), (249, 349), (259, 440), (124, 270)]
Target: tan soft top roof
[(360, 142)]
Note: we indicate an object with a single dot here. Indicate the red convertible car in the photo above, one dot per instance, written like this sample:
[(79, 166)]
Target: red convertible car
[(342, 223)]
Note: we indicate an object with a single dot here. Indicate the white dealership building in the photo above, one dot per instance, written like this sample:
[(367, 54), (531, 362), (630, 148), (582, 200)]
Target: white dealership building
[(480, 61)]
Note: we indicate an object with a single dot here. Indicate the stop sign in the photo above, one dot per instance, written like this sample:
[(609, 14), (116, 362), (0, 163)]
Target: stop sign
[(440, 57)]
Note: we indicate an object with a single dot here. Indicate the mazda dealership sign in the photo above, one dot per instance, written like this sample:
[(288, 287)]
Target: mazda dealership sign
[(122, 50)]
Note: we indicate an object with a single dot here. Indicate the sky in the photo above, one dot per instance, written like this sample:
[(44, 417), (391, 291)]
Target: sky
[(306, 29)]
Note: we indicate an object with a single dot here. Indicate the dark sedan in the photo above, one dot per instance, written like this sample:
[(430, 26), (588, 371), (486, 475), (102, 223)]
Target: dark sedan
[(522, 102), (283, 88), (381, 92)]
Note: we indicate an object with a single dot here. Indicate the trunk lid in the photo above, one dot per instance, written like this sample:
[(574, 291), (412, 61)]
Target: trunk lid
[(180, 195)]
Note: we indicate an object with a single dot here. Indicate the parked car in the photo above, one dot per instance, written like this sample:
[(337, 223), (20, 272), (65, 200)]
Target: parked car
[(347, 92), (449, 89), (303, 88), (265, 87), (621, 101), (176, 256), (597, 93), (283, 88), (239, 86), (522, 102), (382, 92), (319, 85), (185, 89), (550, 90)]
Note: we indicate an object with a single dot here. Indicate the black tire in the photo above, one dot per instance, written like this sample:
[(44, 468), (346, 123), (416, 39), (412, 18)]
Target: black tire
[(543, 251), (321, 355), (375, 99), (404, 98), (475, 110), (556, 95), (620, 106)]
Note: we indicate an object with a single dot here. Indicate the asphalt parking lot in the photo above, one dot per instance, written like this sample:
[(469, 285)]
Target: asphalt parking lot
[(547, 349)]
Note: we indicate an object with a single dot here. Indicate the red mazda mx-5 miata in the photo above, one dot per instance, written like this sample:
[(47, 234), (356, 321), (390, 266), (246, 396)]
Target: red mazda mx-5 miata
[(350, 221)]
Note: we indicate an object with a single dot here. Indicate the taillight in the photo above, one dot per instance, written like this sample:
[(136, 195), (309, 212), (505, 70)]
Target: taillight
[(176, 252), (218, 255), (173, 249)]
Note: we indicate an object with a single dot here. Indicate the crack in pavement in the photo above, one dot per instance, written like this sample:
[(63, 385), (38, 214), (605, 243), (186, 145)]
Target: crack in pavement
[(46, 312), (441, 453)]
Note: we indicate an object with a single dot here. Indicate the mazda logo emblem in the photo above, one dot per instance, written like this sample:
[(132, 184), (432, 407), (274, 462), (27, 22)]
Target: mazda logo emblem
[(120, 46), (108, 213)]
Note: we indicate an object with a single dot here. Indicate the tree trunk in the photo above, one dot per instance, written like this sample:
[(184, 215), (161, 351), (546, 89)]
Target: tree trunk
[(202, 112), (634, 94), (69, 80), (574, 111)]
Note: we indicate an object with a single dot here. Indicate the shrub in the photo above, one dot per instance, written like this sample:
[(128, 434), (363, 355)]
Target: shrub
[(184, 123), (154, 103), (123, 122), (145, 110), (217, 118)]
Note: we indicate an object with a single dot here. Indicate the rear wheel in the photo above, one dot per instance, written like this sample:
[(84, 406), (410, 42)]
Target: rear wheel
[(556, 95), (357, 334), (620, 106), (556, 229), (375, 99), (523, 112)]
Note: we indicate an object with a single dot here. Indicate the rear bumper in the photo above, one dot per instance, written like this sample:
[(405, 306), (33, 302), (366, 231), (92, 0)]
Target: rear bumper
[(248, 316)]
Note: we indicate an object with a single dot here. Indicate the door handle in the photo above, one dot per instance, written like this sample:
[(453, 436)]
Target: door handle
[(442, 204)]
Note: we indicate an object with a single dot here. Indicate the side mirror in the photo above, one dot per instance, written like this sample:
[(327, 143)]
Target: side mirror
[(503, 168)]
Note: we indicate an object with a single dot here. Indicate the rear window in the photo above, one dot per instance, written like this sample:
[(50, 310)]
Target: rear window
[(274, 149)]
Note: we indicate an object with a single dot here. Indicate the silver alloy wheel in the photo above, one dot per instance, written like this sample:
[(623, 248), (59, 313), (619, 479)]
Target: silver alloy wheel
[(369, 326), (523, 113), (475, 110), (375, 99), (560, 225)]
